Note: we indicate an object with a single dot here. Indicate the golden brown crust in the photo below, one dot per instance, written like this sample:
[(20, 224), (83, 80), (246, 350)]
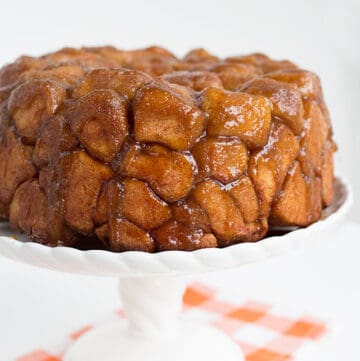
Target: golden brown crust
[(286, 100), (32, 103), (141, 150), (99, 121), (237, 114), (15, 164), (79, 181), (222, 158), (167, 114)]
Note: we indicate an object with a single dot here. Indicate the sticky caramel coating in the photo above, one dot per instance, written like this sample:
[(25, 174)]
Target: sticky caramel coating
[(142, 150), (99, 121), (222, 158), (167, 114), (32, 103), (237, 114)]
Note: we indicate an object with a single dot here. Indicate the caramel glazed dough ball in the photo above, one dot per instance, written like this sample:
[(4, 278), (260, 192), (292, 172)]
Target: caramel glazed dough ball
[(141, 150)]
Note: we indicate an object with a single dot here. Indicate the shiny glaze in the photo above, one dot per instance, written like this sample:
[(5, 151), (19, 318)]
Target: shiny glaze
[(147, 151)]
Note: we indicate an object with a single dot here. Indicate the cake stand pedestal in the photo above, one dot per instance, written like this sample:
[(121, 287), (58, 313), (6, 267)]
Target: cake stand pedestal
[(152, 330), (152, 287)]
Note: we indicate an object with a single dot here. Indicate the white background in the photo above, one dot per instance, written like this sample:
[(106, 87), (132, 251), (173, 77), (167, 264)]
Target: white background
[(323, 36)]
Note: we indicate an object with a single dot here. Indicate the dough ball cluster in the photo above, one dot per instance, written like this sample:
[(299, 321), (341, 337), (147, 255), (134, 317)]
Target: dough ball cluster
[(142, 150)]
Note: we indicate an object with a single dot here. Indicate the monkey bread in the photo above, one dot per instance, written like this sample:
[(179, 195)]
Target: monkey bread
[(142, 150)]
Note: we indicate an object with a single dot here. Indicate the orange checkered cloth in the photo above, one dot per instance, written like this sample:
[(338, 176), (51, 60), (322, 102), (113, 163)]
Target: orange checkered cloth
[(264, 332)]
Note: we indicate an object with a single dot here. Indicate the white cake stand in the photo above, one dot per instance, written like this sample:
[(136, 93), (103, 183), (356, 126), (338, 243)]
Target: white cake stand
[(152, 286)]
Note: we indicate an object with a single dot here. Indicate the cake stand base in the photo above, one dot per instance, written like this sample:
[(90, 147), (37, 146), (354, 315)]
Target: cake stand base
[(190, 342)]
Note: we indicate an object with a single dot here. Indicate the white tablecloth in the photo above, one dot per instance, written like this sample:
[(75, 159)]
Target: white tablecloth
[(38, 307)]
